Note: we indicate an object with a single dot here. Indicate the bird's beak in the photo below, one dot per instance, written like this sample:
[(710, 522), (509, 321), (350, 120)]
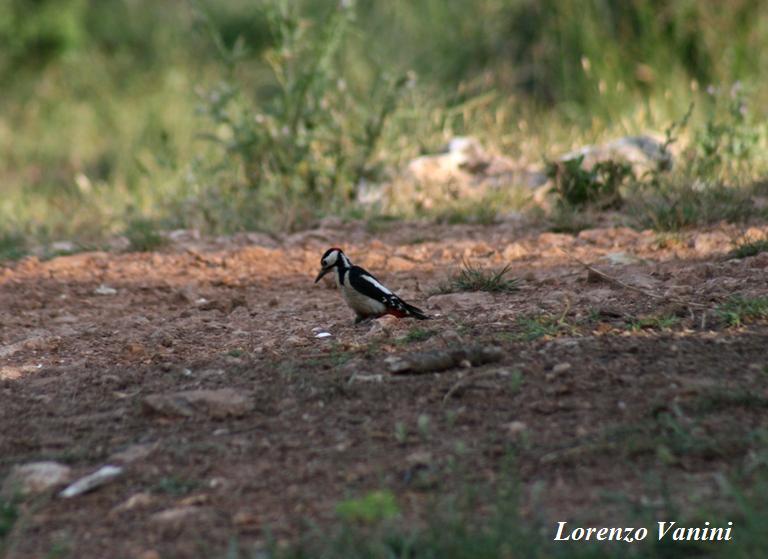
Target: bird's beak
[(322, 273)]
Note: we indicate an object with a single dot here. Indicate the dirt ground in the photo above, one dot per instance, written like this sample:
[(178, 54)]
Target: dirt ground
[(604, 388)]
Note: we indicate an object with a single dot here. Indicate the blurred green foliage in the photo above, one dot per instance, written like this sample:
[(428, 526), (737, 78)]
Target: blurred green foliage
[(106, 103)]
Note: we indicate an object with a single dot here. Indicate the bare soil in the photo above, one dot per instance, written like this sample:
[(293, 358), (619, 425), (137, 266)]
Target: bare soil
[(594, 378)]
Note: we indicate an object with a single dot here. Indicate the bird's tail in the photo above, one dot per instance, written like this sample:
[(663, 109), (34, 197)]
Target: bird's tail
[(416, 312)]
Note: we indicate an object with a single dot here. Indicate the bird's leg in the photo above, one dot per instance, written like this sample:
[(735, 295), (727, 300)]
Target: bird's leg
[(362, 320)]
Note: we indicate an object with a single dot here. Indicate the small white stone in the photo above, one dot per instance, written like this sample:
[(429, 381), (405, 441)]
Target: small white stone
[(105, 290), (98, 478)]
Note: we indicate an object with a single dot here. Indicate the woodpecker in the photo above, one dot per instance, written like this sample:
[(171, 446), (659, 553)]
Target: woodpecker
[(364, 294)]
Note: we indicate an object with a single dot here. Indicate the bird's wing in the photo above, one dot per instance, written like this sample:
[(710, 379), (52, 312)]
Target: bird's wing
[(365, 283), (368, 285)]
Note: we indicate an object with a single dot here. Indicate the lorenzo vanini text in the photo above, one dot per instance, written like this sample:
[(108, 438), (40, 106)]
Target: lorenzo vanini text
[(668, 530)]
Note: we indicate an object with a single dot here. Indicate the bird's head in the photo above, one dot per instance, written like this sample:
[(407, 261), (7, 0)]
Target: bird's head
[(333, 258)]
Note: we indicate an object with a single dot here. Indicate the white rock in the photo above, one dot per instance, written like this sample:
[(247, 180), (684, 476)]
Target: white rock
[(105, 290), (103, 475), (133, 453), (35, 477), (225, 402), (621, 258)]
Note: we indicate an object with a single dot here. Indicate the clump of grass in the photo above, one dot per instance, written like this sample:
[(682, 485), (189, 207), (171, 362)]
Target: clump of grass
[(143, 235), (529, 328), (12, 246), (474, 278), (373, 507), (738, 310), (568, 219), (680, 202), (175, 485), (746, 247), (662, 322), (706, 185), (416, 334)]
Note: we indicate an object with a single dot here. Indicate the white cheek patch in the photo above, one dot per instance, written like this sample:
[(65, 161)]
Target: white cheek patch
[(330, 260), (376, 284)]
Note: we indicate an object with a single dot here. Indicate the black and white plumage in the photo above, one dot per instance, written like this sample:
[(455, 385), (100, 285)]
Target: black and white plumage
[(364, 294)]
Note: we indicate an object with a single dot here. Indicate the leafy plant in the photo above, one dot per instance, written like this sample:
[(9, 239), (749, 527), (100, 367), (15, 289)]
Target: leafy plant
[(576, 186)]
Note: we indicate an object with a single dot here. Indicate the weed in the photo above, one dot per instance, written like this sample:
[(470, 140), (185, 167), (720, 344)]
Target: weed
[(718, 400), (679, 202), (705, 187), (576, 186), (662, 322), (529, 328), (9, 514), (401, 432), (473, 278), (176, 486), (516, 380), (422, 424), (12, 246), (746, 247), (568, 219), (415, 335), (143, 235), (373, 507), (738, 310), (307, 145)]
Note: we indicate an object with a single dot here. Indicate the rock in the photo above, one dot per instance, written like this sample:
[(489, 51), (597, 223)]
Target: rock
[(708, 243), (561, 368), (515, 428), (100, 477), (35, 478), (135, 501), (759, 260), (244, 518), (641, 152), (621, 258), (464, 169), (218, 404), (441, 360), (419, 457), (514, 251), (133, 453), (178, 516), (461, 301), (105, 290)]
